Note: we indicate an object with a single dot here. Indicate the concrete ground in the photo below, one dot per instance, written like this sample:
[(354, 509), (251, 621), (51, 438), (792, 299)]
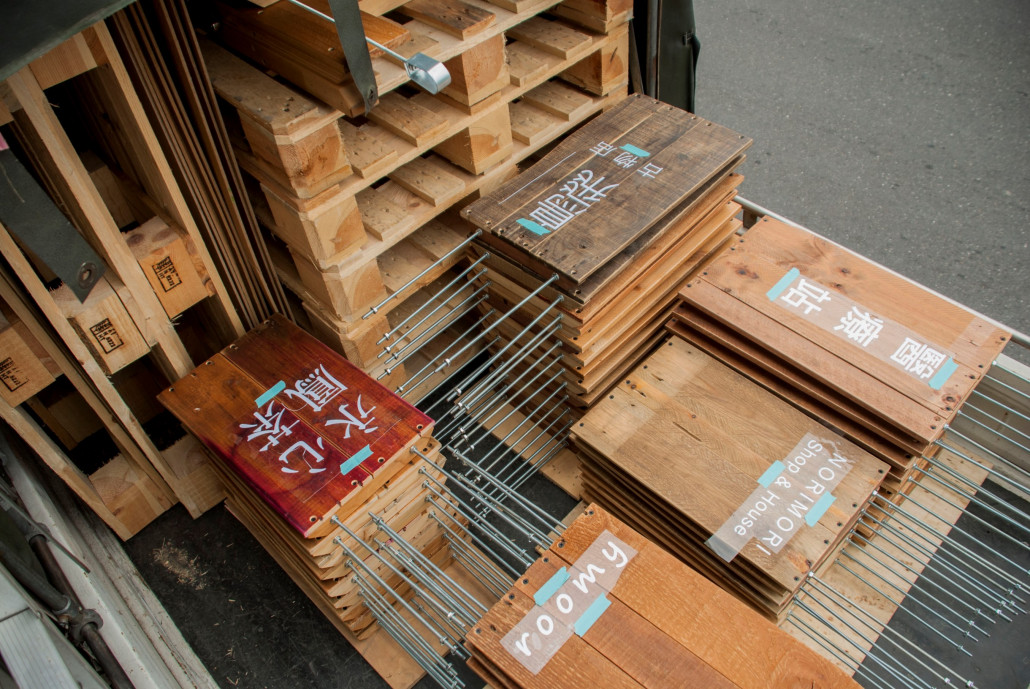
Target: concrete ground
[(899, 129)]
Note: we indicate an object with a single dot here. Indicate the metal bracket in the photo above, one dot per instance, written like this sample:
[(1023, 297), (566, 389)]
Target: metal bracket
[(347, 19), (28, 212)]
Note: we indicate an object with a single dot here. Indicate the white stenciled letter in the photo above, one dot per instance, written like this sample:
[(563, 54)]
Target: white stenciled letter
[(522, 645), (545, 621), (615, 555), (564, 603), (579, 582)]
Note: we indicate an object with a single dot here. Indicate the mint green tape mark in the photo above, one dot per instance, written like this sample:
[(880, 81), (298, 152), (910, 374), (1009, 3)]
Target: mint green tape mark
[(784, 282), (270, 393), (590, 615), (630, 148), (819, 509), (359, 457), (552, 585), (533, 227), (943, 373), (774, 470)]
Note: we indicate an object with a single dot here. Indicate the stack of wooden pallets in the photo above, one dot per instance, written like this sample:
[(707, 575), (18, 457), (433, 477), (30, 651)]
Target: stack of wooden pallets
[(735, 482), (620, 212), (881, 360), (306, 441), (359, 205), (605, 607)]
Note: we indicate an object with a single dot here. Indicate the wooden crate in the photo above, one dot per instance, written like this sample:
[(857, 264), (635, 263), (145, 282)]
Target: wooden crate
[(25, 367)]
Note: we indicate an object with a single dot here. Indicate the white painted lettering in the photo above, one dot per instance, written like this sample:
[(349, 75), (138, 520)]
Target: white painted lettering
[(615, 555), (545, 621), (564, 603), (588, 575)]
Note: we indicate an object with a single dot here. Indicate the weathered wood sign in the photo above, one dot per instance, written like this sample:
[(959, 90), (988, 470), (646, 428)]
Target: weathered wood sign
[(605, 607), (603, 187), (304, 428), (731, 479), (886, 348)]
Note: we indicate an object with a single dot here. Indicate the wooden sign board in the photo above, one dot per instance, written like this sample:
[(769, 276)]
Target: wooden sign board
[(875, 337), (603, 187), (307, 430)]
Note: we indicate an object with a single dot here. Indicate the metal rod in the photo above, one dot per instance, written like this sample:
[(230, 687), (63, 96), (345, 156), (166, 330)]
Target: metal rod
[(965, 632), (414, 280), (989, 470), (972, 497), (975, 517), (966, 415), (455, 314), (390, 333), (926, 580)]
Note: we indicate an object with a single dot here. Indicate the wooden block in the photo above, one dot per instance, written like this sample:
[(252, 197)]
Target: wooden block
[(161, 252), (407, 119), (551, 37), (131, 496), (452, 16), (103, 324), (69, 59), (23, 371), (357, 340), (199, 485), (429, 179), (560, 100), (382, 217), (486, 142), (327, 228), (601, 71), (308, 165), (369, 148), (478, 72), (66, 414), (348, 296), (309, 432)]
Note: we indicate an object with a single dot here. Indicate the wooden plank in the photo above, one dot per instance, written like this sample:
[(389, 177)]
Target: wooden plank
[(407, 119), (429, 179), (382, 217), (550, 36), (530, 124), (65, 61), (603, 69), (369, 149), (559, 100), (329, 228), (525, 63), (453, 16)]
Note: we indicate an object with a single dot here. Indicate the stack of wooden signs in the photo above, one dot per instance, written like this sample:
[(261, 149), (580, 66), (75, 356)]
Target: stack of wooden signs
[(614, 219), (305, 441), (729, 478), (882, 360), (605, 607)]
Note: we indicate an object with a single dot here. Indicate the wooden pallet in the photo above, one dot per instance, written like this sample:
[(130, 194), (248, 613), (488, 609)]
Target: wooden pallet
[(652, 622)]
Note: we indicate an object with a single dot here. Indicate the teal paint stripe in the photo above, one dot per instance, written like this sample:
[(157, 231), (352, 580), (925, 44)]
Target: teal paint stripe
[(630, 148), (784, 282), (774, 470), (270, 393), (819, 509), (533, 227), (552, 586), (590, 615), (359, 457), (943, 373)]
